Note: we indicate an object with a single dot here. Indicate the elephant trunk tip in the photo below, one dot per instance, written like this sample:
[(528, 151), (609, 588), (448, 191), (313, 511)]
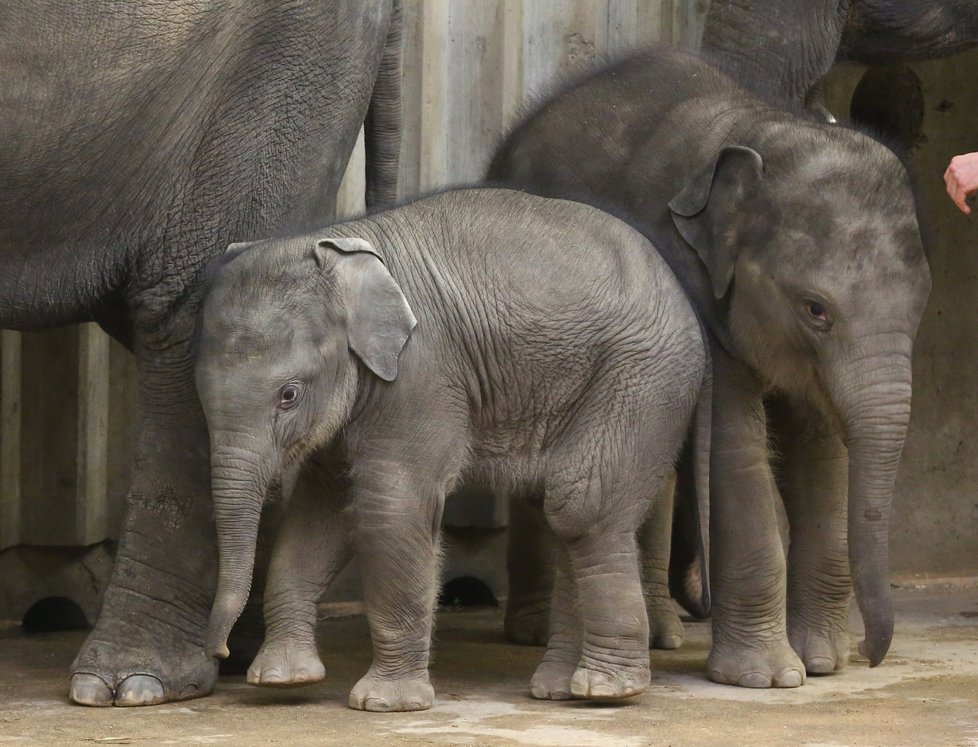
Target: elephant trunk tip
[(879, 634), (217, 642), (222, 620)]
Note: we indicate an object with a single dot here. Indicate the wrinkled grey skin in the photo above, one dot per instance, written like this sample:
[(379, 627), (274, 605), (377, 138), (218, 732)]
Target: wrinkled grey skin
[(798, 244), (532, 345), (530, 563), (782, 48), (138, 139)]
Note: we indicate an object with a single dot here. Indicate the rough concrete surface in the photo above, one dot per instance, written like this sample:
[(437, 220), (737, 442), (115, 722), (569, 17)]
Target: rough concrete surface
[(925, 693)]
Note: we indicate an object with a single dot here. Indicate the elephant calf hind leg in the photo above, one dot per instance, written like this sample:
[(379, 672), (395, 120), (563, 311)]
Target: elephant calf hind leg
[(552, 678), (530, 559), (655, 541), (613, 624)]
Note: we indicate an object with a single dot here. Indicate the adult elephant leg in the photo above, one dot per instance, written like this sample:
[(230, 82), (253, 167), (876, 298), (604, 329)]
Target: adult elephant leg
[(750, 642), (655, 547), (530, 558), (314, 544), (148, 644), (814, 484)]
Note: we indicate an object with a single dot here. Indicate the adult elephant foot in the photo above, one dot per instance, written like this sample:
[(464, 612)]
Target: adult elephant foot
[(143, 650), (286, 663), (775, 665), (147, 647), (385, 694), (823, 649), (108, 689)]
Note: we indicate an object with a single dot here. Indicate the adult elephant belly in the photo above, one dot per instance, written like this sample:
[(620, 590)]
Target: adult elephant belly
[(140, 139)]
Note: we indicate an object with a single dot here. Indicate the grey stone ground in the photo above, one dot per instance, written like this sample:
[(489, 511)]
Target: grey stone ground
[(925, 693)]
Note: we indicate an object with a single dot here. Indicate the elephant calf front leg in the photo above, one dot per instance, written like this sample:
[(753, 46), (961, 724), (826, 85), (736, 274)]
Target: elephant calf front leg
[(814, 483), (314, 544), (396, 549), (750, 642)]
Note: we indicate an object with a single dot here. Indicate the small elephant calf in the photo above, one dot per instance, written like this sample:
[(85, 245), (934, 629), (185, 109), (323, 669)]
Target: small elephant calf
[(476, 336)]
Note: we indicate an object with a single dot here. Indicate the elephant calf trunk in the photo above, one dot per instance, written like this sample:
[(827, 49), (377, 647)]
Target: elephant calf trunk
[(224, 614), (237, 513)]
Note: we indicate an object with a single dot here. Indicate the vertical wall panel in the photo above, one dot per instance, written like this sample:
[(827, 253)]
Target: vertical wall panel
[(470, 67), (91, 509), (10, 432)]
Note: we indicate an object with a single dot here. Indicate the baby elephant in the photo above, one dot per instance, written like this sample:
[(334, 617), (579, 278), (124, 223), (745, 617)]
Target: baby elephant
[(477, 336)]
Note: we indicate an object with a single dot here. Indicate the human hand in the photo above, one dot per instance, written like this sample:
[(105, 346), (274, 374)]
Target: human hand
[(961, 179)]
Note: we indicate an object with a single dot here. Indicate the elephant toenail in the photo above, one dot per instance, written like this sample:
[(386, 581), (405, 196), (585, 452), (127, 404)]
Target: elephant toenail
[(90, 690), (139, 690), (791, 678), (820, 665), (668, 642), (754, 679)]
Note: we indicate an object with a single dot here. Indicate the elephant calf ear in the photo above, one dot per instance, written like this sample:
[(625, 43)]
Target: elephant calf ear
[(705, 210), (380, 319)]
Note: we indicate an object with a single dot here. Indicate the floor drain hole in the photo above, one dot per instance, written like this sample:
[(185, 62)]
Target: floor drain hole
[(54, 613), (466, 591)]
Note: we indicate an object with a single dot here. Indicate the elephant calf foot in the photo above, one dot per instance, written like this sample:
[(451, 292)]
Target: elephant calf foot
[(286, 663), (594, 684), (385, 694), (776, 665), (528, 623), (665, 628), (552, 680), (822, 650)]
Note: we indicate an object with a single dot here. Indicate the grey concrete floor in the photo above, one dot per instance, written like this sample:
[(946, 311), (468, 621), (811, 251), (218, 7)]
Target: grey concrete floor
[(925, 693)]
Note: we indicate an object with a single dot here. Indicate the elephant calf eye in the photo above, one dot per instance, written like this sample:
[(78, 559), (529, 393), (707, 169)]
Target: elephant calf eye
[(816, 310), (289, 396), (818, 315)]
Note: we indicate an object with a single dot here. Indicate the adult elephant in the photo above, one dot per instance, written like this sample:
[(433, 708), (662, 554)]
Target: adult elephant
[(798, 243), (138, 140), (783, 47)]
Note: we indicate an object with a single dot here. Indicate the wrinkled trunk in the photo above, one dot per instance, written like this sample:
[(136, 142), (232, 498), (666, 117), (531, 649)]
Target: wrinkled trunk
[(239, 480), (875, 406)]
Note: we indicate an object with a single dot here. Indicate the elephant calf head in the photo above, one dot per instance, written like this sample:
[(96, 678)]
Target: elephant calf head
[(284, 326), (815, 260)]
